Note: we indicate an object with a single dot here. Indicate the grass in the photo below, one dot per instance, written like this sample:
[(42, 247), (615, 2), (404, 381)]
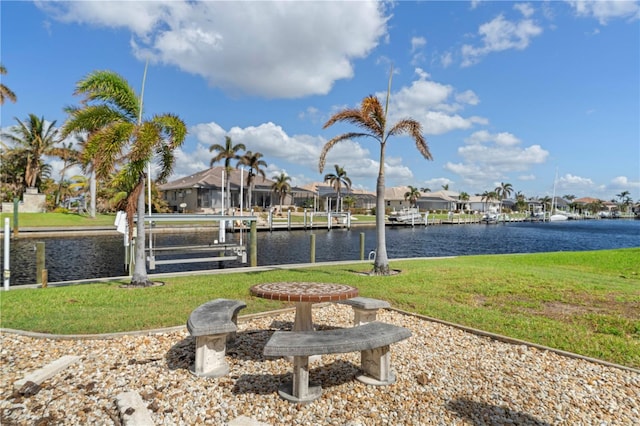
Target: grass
[(583, 302), (33, 220)]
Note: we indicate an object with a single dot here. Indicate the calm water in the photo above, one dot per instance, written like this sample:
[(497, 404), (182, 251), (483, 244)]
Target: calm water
[(103, 256)]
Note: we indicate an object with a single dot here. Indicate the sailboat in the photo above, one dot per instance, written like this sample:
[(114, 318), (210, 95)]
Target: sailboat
[(555, 216)]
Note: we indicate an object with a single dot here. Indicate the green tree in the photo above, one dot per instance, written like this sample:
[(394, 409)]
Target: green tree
[(445, 187), (281, 186), (69, 156), (425, 189), (33, 139), (337, 180), (111, 116), (504, 190), (412, 195), (624, 198), (371, 119), (255, 163), (464, 197), (226, 153), (487, 197), (348, 201), (5, 92)]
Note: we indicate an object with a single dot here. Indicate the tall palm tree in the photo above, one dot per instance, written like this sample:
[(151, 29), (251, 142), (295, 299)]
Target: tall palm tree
[(425, 189), (445, 187), (281, 186), (412, 195), (336, 180), (111, 116), (5, 92), (371, 118), (33, 139), (255, 163), (226, 152), (503, 191)]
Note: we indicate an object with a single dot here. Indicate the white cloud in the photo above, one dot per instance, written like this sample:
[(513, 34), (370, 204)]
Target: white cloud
[(604, 11), (446, 59), (433, 104), (524, 8), (488, 158), (245, 47), (417, 43), (500, 35)]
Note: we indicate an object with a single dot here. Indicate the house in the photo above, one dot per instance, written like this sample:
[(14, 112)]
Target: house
[(202, 192), (325, 197), (439, 200)]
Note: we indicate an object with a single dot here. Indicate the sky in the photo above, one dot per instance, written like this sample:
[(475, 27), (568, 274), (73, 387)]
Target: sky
[(537, 94)]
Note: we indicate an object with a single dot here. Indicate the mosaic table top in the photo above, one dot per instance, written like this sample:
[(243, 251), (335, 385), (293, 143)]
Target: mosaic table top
[(304, 291)]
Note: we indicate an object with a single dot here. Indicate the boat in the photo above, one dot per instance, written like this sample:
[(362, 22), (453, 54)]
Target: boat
[(406, 215), (489, 218), (555, 216)]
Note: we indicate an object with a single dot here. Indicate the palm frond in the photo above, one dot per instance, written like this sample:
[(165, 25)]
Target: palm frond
[(330, 144), (110, 88)]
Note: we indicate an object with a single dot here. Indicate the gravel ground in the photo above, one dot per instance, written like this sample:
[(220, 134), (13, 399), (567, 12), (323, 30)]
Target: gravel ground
[(446, 376)]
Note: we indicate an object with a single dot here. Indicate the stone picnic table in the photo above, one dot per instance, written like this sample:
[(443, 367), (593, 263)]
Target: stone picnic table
[(304, 295)]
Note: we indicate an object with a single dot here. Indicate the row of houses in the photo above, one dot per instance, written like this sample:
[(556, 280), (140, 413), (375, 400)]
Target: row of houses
[(203, 192)]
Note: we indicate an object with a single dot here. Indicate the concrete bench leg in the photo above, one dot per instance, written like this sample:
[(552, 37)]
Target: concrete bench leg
[(363, 316), (300, 390), (376, 365), (210, 352)]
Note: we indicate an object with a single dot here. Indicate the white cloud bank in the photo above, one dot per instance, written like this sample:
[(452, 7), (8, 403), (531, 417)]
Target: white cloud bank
[(269, 49)]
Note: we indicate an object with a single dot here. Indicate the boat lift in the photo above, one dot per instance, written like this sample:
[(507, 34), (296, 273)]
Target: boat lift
[(222, 249)]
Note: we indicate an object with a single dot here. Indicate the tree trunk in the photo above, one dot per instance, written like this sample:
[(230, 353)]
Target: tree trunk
[(92, 193), (139, 277), (381, 264)]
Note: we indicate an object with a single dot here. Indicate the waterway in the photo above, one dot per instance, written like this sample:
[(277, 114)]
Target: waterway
[(99, 256)]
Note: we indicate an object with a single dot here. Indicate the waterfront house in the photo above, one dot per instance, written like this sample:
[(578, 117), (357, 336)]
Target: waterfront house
[(202, 192)]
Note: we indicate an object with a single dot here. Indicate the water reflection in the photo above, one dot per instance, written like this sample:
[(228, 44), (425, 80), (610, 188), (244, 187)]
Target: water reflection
[(88, 257)]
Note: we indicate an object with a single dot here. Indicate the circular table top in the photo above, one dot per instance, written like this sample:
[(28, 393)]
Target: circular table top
[(304, 291)]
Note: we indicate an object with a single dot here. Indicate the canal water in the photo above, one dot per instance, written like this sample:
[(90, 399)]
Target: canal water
[(99, 256)]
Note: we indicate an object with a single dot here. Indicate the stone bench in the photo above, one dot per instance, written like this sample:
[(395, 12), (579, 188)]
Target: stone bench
[(371, 339), (365, 309), (213, 324)]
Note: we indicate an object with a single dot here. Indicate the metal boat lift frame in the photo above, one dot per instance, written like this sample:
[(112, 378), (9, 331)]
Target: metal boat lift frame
[(238, 251)]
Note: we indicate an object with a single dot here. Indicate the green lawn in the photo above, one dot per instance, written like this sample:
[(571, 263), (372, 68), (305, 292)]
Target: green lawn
[(30, 220), (583, 302)]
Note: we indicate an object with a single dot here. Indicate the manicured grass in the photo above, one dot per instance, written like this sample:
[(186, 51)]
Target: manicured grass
[(583, 302), (29, 220)]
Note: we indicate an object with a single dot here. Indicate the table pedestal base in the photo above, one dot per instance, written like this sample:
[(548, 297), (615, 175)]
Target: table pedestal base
[(300, 390)]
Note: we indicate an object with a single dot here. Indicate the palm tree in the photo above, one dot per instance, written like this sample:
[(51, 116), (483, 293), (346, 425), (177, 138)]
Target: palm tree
[(624, 198), (111, 116), (425, 189), (348, 201), (464, 197), (33, 139), (546, 202), (227, 153), (445, 187), (5, 92), (487, 196), (69, 157), (255, 163), (336, 180), (412, 195), (371, 118), (503, 191), (281, 186)]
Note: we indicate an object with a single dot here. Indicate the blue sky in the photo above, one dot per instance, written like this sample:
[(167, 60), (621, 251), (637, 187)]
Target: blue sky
[(505, 91)]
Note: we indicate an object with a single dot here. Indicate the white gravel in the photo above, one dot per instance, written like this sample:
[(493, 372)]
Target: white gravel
[(446, 376)]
